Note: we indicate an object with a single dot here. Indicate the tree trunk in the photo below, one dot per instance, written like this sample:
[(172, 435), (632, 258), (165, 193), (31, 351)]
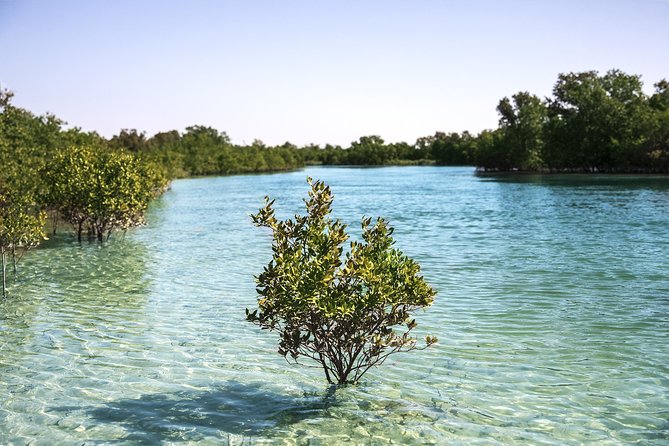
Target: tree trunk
[(100, 232), (325, 368), (54, 221), (4, 282), (14, 258)]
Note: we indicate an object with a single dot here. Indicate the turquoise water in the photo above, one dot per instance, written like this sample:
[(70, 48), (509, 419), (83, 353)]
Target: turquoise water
[(552, 313)]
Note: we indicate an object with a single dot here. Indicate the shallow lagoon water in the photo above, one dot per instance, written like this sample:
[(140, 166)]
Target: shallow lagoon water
[(552, 313)]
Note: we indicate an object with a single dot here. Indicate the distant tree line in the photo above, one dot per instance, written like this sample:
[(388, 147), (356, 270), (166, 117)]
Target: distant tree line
[(204, 150), (591, 123), (445, 149)]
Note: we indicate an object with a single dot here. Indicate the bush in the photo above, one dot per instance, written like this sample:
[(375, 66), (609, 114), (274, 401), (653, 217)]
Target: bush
[(338, 310), (100, 191)]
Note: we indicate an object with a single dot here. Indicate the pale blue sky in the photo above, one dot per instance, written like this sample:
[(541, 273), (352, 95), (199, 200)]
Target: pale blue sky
[(313, 71)]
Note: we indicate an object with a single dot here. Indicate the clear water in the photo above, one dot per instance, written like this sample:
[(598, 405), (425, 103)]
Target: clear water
[(552, 315)]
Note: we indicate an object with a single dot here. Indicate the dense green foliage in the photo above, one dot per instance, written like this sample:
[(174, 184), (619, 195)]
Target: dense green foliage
[(366, 151), (206, 151), (71, 174), (74, 175), (452, 149), (592, 123), (100, 191), (334, 309)]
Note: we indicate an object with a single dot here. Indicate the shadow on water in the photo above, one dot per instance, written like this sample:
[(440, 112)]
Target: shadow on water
[(90, 270), (235, 408), (623, 181)]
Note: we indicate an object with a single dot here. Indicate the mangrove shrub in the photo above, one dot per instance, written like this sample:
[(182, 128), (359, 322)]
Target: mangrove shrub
[(99, 191), (348, 312)]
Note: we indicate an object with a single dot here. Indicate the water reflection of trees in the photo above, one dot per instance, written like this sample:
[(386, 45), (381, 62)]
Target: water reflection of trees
[(110, 275), (623, 182), (68, 287)]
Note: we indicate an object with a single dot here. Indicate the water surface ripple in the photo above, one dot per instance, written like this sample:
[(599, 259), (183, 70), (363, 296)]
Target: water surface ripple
[(552, 315)]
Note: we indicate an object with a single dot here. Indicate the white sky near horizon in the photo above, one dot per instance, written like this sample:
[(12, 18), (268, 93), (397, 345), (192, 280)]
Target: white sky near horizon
[(313, 71)]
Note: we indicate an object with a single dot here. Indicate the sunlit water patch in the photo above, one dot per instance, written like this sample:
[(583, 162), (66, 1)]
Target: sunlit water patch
[(552, 314)]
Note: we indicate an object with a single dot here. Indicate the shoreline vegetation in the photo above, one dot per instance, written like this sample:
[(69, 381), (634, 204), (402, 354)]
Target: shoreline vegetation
[(592, 123)]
